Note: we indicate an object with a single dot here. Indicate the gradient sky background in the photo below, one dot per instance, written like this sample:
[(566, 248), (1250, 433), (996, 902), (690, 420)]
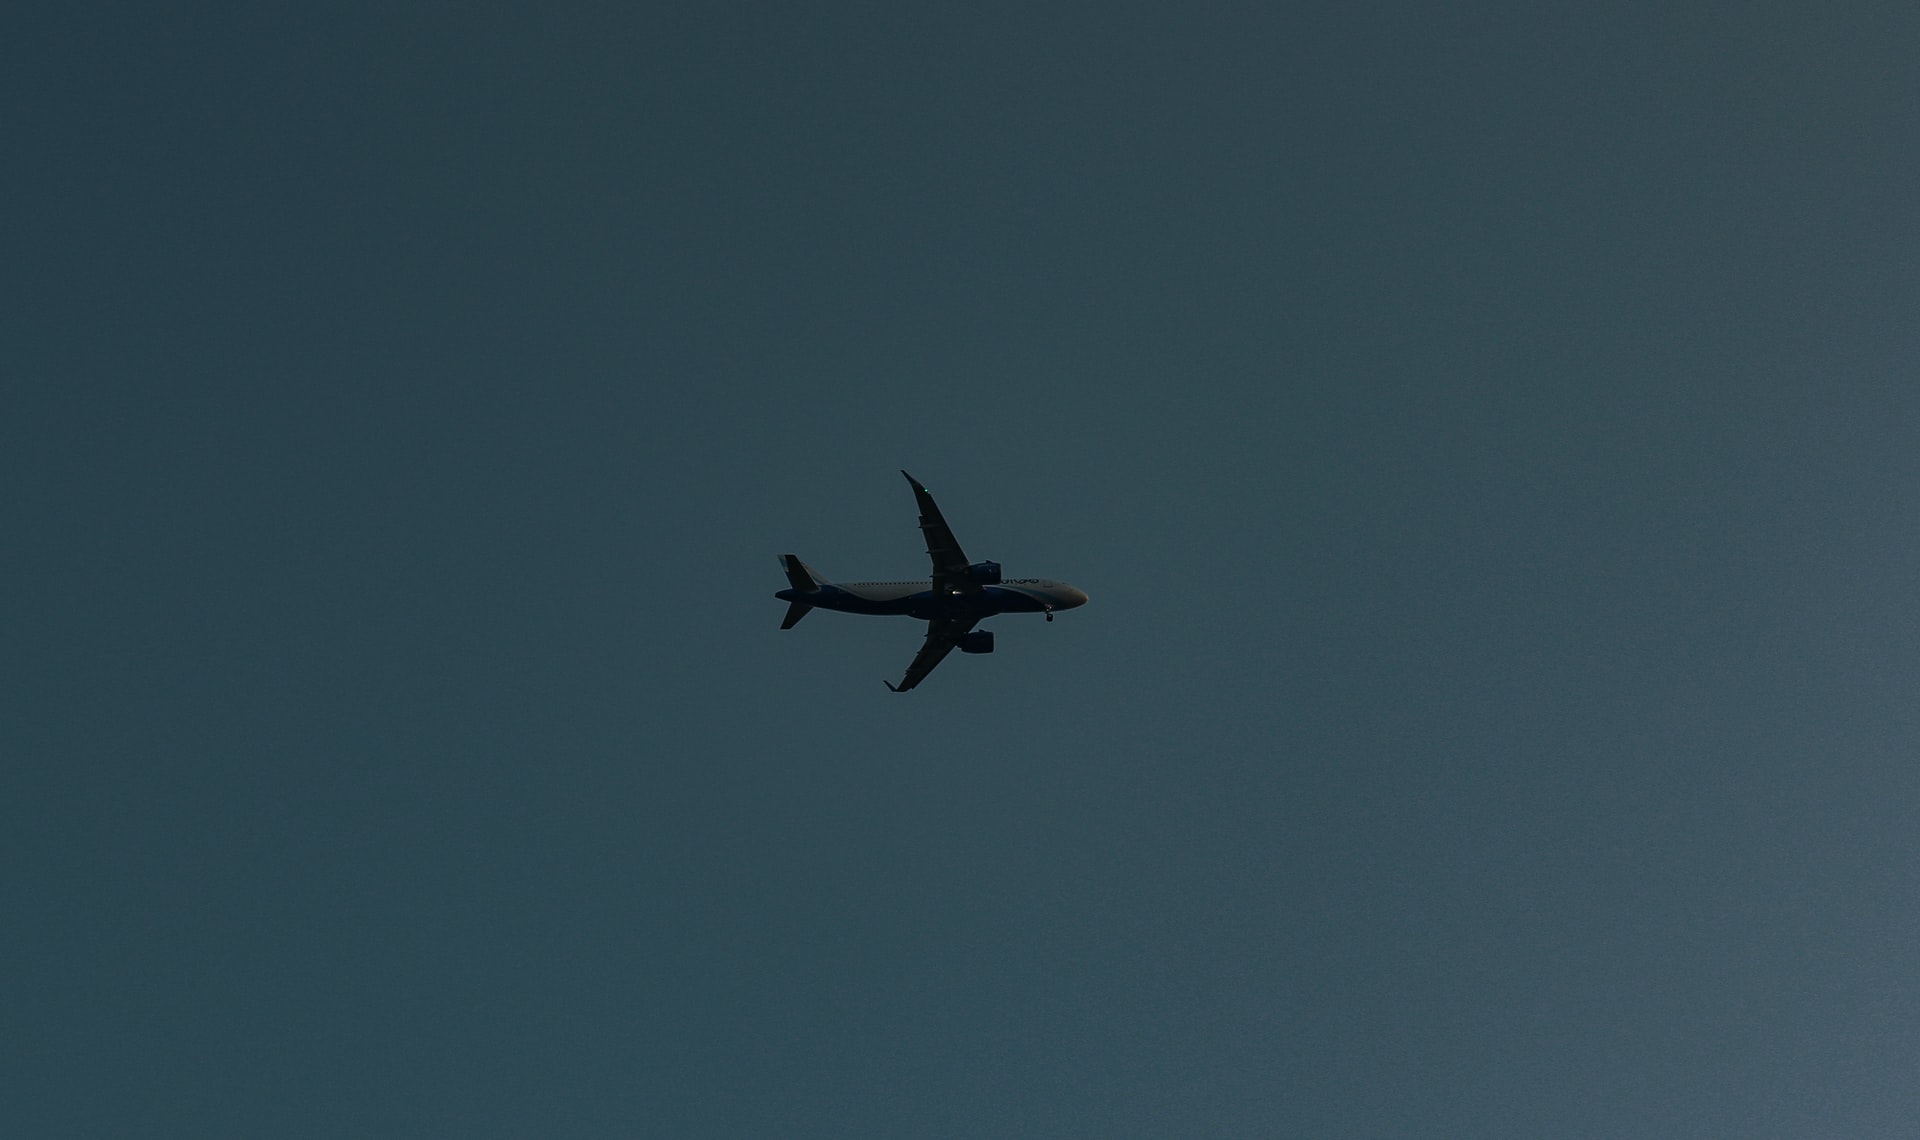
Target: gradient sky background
[(1490, 436)]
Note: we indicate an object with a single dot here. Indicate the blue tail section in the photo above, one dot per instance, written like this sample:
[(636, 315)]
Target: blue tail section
[(803, 580), (803, 577)]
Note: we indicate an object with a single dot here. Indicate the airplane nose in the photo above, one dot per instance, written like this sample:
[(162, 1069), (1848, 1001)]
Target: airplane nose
[(1076, 597)]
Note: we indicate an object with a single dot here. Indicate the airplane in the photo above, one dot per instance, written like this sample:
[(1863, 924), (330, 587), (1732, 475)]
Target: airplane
[(958, 596)]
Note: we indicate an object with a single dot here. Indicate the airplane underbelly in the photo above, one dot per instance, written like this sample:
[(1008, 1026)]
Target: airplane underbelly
[(927, 605), (885, 598), (1008, 600), (977, 604)]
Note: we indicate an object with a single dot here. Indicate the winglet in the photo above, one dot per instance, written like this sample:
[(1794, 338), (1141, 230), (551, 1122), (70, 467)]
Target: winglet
[(890, 686)]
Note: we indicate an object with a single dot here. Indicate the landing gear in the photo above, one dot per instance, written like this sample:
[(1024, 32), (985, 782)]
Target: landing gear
[(1049, 613)]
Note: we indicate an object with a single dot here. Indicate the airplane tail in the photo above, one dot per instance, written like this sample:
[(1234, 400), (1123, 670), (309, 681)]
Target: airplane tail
[(802, 576), (805, 580)]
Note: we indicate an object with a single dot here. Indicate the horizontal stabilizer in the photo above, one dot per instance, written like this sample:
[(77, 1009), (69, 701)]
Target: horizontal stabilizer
[(795, 611)]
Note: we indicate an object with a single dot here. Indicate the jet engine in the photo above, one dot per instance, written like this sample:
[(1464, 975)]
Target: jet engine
[(979, 641), (984, 574)]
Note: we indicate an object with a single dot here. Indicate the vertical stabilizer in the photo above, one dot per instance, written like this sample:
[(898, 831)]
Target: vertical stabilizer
[(800, 575)]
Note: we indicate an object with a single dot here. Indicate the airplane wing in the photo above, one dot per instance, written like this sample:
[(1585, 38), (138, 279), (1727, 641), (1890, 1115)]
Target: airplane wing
[(949, 561), (942, 635)]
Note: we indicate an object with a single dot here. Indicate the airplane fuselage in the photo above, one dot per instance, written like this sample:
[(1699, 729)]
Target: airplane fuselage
[(919, 600)]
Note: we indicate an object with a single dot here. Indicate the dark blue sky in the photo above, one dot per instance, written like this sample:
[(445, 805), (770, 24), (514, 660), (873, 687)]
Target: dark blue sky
[(1488, 436)]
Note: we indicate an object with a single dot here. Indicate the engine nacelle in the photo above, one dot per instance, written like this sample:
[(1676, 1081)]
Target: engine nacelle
[(979, 641), (984, 574)]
